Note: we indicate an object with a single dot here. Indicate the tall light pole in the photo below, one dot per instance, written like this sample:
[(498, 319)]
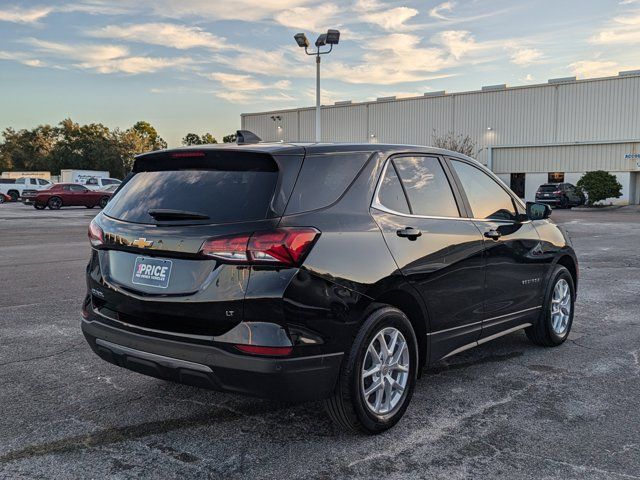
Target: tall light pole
[(331, 38)]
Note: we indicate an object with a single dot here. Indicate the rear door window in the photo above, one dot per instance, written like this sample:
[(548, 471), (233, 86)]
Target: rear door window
[(222, 196), (427, 186)]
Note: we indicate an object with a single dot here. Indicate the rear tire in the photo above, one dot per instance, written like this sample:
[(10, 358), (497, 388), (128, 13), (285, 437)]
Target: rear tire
[(1, 198), (54, 203), (552, 329), (14, 195), (103, 202), (350, 407)]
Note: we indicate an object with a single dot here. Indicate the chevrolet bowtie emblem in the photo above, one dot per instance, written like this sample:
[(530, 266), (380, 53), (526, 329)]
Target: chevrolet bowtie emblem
[(142, 243)]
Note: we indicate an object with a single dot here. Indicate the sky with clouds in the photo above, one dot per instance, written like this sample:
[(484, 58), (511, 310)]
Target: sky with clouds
[(195, 65)]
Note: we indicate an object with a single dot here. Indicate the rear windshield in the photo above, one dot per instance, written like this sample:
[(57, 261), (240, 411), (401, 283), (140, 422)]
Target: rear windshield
[(549, 188), (222, 196)]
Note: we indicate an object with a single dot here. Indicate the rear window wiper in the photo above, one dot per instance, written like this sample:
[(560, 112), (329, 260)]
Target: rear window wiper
[(168, 214)]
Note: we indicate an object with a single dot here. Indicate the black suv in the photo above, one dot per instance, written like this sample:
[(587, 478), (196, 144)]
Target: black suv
[(561, 195), (319, 271)]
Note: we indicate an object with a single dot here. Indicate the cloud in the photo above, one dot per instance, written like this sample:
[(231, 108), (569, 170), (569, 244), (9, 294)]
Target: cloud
[(247, 10), (105, 58), (177, 36), (238, 88), (621, 30), (437, 11), (391, 20), (526, 56), (24, 15), (22, 57), (311, 19), (458, 42), (594, 68)]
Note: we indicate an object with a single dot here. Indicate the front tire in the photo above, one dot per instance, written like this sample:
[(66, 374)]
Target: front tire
[(378, 376), (554, 322)]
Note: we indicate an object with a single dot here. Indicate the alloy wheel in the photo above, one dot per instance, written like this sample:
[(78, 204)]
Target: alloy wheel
[(560, 307), (385, 371)]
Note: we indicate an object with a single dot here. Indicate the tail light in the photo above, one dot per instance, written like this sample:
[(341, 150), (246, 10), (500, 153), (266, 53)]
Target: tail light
[(282, 246), (96, 235), (558, 192)]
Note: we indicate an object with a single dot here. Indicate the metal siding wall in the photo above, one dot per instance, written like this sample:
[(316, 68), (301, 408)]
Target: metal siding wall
[(515, 116), (565, 158), (410, 121), (343, 124), (599, 110)]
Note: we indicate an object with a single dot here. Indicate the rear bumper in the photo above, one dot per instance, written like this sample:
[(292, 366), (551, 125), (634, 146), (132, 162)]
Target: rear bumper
[(290, 379), (551, 201)]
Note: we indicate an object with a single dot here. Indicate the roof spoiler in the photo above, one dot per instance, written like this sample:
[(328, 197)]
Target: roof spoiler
[(244, 137)]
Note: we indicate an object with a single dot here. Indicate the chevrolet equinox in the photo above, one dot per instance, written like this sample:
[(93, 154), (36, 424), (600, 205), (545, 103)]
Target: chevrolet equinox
[(319, 271)]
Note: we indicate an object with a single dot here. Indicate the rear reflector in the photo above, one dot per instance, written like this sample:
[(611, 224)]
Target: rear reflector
[(282, 246), (271, 351)]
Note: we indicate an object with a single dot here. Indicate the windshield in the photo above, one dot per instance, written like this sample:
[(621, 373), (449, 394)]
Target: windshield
[(222, 196)]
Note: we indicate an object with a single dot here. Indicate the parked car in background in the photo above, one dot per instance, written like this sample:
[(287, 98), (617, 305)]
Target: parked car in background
[(15, 190), (96, 183), (561, 195), (69, 195), (319, 271)]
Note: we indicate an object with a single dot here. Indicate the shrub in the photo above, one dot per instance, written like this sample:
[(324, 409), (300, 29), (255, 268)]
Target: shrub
[(599, 185)]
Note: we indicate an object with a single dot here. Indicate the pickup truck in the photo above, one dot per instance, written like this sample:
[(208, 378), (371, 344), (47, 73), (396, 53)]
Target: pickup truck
[(14, 190)]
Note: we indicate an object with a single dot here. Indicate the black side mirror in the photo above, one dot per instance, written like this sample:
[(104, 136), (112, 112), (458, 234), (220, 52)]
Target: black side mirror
[(538, 211)]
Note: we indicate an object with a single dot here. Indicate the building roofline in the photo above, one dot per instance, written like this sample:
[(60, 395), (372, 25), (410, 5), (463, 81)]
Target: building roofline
[(552, 83)]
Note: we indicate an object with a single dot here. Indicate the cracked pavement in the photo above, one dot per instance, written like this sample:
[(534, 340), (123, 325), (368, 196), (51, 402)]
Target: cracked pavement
[(505, 409)]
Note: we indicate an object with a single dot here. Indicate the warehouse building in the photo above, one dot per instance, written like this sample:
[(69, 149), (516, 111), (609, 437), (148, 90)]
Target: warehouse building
[(528, 135)]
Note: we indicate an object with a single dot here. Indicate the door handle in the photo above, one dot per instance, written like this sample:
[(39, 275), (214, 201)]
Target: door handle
[(409, 232), (492, 234)]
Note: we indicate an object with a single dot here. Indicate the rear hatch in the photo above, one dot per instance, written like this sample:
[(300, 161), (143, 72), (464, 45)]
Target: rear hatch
[(155, 226), (547, 190)]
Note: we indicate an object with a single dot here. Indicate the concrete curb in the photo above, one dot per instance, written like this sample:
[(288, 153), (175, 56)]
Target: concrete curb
[(597, 209)]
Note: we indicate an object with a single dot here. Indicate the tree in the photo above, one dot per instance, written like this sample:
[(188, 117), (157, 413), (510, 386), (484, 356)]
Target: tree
[(231, 138), (599, 185), (191, 139), (27, 149), (208, 139), (150, 135), (195, 139), (456, 143)]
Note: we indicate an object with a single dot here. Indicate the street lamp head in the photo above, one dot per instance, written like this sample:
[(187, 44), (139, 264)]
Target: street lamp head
[(333, 37), (301, 40), (322, 40)]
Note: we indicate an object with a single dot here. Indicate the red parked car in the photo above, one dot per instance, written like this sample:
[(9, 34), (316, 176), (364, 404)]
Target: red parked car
[(4, 198), (70, 195)]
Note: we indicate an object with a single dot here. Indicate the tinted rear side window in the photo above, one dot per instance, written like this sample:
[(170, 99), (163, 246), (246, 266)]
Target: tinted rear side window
[(391, 194), (223, 196), (548, 188), (323, 179), (427, 186)]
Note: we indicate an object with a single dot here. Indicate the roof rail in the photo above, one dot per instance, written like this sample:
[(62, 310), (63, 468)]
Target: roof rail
[(244, 137)]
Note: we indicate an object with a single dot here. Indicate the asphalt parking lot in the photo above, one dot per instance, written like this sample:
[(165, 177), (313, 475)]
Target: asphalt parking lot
[(506, 409)]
